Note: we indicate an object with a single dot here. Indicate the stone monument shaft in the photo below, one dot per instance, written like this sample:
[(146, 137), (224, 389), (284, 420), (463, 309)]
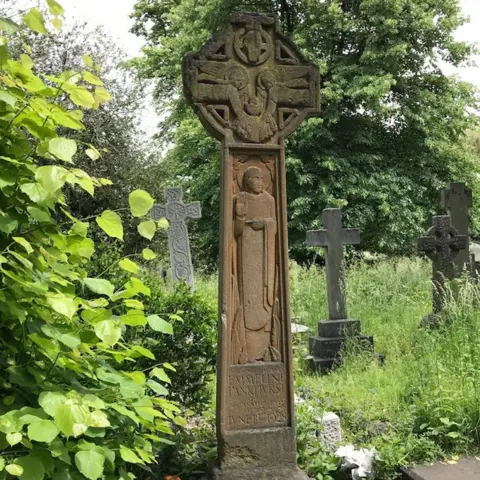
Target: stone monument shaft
[(441, 244), (251, 87), (456, 199)]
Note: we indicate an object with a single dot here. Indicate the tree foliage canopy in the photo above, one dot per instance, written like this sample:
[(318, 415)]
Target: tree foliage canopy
[(392, 128)]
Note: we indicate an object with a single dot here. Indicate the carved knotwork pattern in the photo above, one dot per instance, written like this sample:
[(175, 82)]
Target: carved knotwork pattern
[(250, 83)]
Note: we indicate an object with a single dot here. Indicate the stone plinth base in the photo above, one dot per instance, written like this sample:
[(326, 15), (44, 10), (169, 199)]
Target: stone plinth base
[(326, 347), (465, 469), (270, 473)]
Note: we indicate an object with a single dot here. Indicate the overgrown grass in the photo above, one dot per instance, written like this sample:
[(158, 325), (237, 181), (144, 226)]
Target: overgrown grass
[(424, 403)]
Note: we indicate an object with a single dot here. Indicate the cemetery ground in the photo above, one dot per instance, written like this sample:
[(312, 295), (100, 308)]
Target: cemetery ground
[(422, 405)]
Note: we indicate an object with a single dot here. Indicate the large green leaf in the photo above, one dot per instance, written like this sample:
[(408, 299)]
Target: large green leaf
[(24, 243), (35, 191), (71, 419), (148, 254), (63, 148), (51, 177), (55, 8), (14, 438), (33, 468), (128, 455), (42, 431), (90, 463), (13, 469), (109, 331), (129, 266), (159, 324), (7, 98), (81, 96), (35, 21), (134, 318), (140, 203), (63, 304), (8, 26), (91, 78), (147, 229), (51, 401), (111, 223), (99, 286)]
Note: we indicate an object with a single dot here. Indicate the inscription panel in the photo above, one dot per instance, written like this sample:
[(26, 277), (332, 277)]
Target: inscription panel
[(257, 396)]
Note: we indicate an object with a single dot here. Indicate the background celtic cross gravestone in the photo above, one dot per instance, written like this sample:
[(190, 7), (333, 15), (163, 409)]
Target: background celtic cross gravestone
[(441, 244), (325, 347), (251, 87), (456, 199), (176, 212)]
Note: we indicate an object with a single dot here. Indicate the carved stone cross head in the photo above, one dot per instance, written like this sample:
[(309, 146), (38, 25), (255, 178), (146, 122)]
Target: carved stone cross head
[(456, 195), (175, 210), (250, 83), (442, 244), (333, 233)]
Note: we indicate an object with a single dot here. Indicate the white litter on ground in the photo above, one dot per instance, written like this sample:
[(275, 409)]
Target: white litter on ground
[(360, 462)]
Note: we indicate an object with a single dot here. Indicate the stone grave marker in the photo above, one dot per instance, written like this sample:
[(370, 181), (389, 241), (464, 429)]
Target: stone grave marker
[(332, 333), (456, 199), (251, 87), (441, 244), (177, 212)]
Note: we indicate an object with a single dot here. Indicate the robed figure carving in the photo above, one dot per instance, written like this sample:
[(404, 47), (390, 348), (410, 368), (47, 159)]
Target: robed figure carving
[(256, 326)]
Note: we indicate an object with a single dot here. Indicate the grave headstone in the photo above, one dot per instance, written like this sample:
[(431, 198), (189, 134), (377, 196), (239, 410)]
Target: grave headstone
[(441, 244), (251, 87), (456, 199), (177, 212), (330, 431), (332, 333)]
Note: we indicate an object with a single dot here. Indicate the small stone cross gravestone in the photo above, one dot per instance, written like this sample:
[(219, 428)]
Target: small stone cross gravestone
[(456, 199), (176, 212), (333, 238), (441, 244), (251, 87), (332, 333)]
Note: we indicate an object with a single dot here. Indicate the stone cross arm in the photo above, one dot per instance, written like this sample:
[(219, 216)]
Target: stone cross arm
[(321, 238), (175, 210), (333, 234), (456, 194)]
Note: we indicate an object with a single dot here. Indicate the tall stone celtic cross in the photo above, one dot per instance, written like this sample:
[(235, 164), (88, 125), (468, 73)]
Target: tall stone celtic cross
[(176, 212), (456, 199), (251, 87), (334, 237), (441, 244)]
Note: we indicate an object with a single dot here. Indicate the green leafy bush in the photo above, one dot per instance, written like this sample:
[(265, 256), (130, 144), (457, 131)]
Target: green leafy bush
[(192, 347), (70, 408)]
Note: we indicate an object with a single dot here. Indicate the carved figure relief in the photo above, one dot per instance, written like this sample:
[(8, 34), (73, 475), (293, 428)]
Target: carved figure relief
[(251, 82), (255, 333)]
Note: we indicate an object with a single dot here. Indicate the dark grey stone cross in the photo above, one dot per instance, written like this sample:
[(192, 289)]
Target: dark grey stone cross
[(334, 237), (441, 244), (176, 212), (456, 199)]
